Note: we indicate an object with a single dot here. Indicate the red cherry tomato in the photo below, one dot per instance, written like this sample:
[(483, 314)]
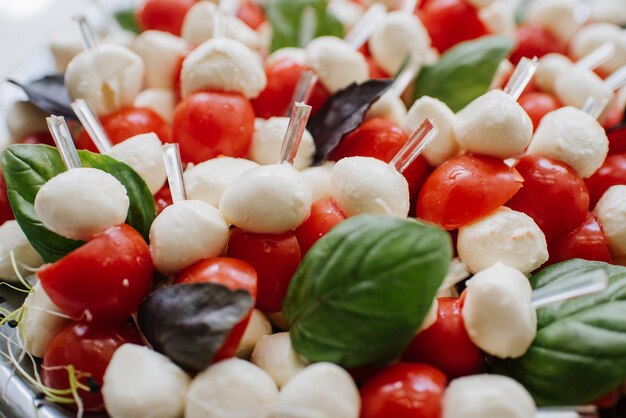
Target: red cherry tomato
[(208, 124), (178, 69), (125, 123), (232, 273), (6, 213), (614, 117), (404, 391), (534, 41), (109, 276), (282, 78), (275, 259), (612, 173), (375, 71), (324, 216), (617, 140), (466, 188), (587, 242), (446, 345), (89, 350), (553, 195), (451, 21), (164, 15), (537, 105), (252, 14), (163, 198), (37, 138)]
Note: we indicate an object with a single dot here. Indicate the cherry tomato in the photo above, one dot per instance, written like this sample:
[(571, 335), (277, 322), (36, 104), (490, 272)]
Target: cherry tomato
[(587, 242), (37, 138), (232, 273), (208, 124), (534, 41), (537, 105), (466, 188), (446, 344), (404, 391), (609, 400), (251, 13), (89, 349), (109, 276), (275, 259), (375, 72), (163, 198), (126, 123), (451, 21), (614, 117), (282, 78), (324, 216), (164, 15), (178, 69), (553, 195), (6, 213), (612, 173), (617, 140)]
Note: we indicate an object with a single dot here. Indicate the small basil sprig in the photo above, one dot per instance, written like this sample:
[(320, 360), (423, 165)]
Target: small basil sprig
[(464, 72), (579, 353), (28, 167), (364, 289)]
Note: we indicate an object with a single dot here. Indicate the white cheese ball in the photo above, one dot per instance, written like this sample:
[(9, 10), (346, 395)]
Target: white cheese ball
[(399, 36), (389, 106), (593, 36), (258, 327), (367, 185), (556, 16), (498, 312), (160, 52), (82, 202), (139, 382), (41, 320), (575, 85), (161, 101), (107, 77), (297, 55), (335, 62), (12, 239), (499, 18), (444, 146), (186, 232), (347, 12), (613, 11), (611, 213), (229, 389), (505, 236), (270, 199), (320, 180), (323, 390), (487, 396), (275, 355), (493, 124), (573, 137), (551, 66), (479, 4), (24, 118), (267, 142), (144, 155), (223, 64), (208, 180)]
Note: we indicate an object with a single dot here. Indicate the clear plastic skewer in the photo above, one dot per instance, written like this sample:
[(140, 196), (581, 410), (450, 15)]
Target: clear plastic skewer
[(409, 6), (87, 33), (417, 143), (595, 106), (617, 80), (229, 7), (597, 57), (303, 89), (406, 76), (586, 284), (219, 24), (174, 169), (308, 26), (520, 78), (64, 142), (92, 125), (366, 26), (295, 130)]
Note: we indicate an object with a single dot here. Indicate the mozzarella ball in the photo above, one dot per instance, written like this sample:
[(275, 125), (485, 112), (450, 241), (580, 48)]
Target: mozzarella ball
[(551, 66), (611, 213), (573, 137), (223, 64), (297, 55), (186, 232), (505, 236), (444, 145), (499, 18), (389, 106), (347, 12), (479, 4), (258, 327), (575, 85), (82, 202), (323, 390), (487, 396), (367, 185), (613, 11), (556, 16), (231, 388), (269, 199), (24, 118), (336, 64), (275, 355), (267, 142), (593, 36), (12, 239), (108, 77), (208, 180), (161, 101), (144, 155), (493, 124), (498, 312), (41, 320), (140, 382), (399, 36), (320, 180), (161, 52)]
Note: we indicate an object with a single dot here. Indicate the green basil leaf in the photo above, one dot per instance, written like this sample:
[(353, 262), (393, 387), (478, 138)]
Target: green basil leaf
[(287, 16), (464, 72), (363, 290), (28, 167), (127, 19), (579, 353)]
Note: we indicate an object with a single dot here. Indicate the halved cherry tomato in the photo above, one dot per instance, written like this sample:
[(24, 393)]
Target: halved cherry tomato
[(164, 15), (404, 390), (537, 105), (6, 213), (43, 137), (466, 188), (163, 198), (232, 273), (251, 13), (275, 259), (534, 41), (446, 344), (89, 349), (612, 173), (103, 281), (553, 195), (451, 21), (587, 242), (325, 214), (209, 123)]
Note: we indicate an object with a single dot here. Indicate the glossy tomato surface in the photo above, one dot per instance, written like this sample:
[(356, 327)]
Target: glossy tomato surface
[(537, 105), (451, 21), (588, 242), (163, 198), (164, 15), (325, 214), (534, 41), (612, 173)]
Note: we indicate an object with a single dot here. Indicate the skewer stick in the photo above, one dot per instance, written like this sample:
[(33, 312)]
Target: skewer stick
[(417, 143), (87, 33), (586, 284), (520, 78), (597, 57), (64, 142), (295, 130), (366, 26), (92, 125), (303, 89), (174, 170)]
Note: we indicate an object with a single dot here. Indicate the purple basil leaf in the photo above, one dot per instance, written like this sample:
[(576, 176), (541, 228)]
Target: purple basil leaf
[(49, 94), (342, 114)]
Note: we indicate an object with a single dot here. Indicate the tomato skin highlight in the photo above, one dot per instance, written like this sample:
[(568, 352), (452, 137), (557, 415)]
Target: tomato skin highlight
[(109, 276), (466, 188), (537, 105), (325, 214), (404, 390), (612, 173), (451, 21), (587, 242), (164, 15), (163, 198), (534, 41), (89, 349)]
